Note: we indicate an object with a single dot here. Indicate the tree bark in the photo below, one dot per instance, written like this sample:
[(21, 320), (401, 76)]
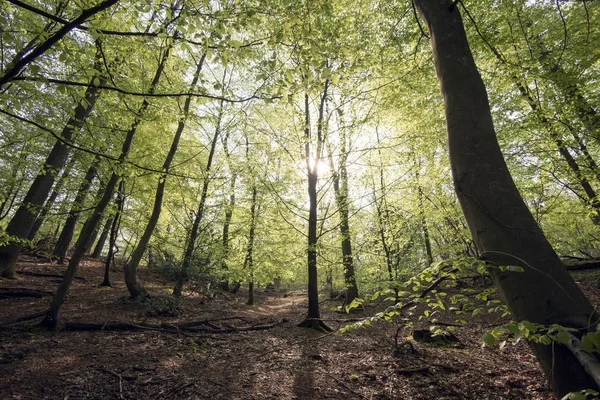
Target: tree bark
[(503, 229), (134, 285)]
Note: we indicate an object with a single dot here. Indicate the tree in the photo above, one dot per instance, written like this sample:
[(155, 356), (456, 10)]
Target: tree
[(503, 229), (134, 285), (340, 189), (24, 218), (313, 159)]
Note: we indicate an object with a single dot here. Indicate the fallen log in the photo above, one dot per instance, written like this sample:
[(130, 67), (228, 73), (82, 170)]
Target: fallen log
[(44, 275), (167, 328), (581, 264)]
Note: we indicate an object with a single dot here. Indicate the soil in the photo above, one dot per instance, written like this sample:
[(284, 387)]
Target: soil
[(278, 362)]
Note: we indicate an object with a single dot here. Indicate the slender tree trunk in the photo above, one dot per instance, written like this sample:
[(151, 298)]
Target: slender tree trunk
[(313, 316), (382, 216), (229, 207), (102, 240), (66, 235), (422, 217), (23, 220), (135, 287), (51, 320), (503, 229), (340, 189), (58, 188), (426, 238), (249, 260), (228, 215), (191, 242), (114, 230)]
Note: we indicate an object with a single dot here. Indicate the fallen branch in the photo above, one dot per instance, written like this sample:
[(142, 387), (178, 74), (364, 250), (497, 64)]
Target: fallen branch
[(6, 293), (410, 371), (45, 275), (21, 319), (117, 375), (167, 328), (341, 383), (581, 265)]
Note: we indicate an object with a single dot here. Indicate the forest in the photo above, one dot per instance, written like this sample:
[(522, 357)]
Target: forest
[(256, 199)]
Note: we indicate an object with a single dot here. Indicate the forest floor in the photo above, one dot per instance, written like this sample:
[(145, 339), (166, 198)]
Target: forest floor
[(224, 358)]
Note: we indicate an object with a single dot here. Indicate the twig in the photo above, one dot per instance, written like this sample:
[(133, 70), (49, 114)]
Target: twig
[(409, 371), (341, 383)]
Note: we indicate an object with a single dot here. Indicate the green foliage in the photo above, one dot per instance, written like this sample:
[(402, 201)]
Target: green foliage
[(424, 292)]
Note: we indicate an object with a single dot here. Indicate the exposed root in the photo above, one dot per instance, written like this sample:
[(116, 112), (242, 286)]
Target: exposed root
[(316, 324)]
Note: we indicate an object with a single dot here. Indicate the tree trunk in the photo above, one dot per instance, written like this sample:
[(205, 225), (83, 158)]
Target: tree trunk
[(503, 229), (249, 260), (229, 207), (61, 180), (102, 240), (422, 217), (340, 189), (23, 220), (313, 316), (114, 230), (51, 320), (66, 235), (135, 287), (191, 242)]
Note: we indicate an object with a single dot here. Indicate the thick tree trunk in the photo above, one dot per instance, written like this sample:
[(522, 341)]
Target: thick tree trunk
[(191, 242), (23, 220), (66, 235), (503, 229), (135, 287), (51, 320)]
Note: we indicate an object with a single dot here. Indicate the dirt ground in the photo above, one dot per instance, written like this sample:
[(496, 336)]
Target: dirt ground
[(279, 362)]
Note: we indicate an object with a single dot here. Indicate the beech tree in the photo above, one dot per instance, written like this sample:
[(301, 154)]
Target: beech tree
[(503, 229)]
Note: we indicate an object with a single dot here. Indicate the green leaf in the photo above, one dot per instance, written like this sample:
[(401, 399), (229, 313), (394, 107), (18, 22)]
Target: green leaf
[(562, 337), (514, 268), (488, 339)]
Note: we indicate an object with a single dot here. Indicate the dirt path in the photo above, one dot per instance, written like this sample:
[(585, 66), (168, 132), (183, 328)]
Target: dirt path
[(285, 362)]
